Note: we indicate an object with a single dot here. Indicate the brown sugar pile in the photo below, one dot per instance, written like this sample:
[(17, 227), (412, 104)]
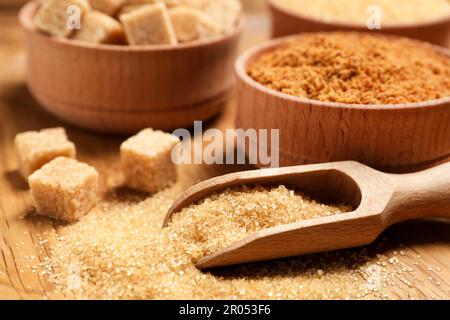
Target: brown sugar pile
[(227, 217), (119, 251), (355, 69)]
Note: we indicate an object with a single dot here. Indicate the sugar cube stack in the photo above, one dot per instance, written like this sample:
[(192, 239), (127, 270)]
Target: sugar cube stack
[(192, 24), (149, 25), (146, 160), (137, 22), (98, 27), (36, 148), (64, 189), (53, 16)]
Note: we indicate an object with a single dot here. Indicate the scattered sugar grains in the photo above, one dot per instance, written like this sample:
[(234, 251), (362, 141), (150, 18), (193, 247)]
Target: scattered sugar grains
[(355, 11), (119, 251), (355, 68)]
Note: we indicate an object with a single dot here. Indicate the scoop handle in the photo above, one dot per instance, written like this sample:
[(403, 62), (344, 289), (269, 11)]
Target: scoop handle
[(424, 194)]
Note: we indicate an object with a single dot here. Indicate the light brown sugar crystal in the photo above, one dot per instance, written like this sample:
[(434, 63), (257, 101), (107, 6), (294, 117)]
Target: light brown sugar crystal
[(64, 189), (355, 68), (98, 27), (227, 217), (147, 160), (36, 148), (121, 251), (109, 7), (192, 24), (149, 25), (53, 16), (356, 11)]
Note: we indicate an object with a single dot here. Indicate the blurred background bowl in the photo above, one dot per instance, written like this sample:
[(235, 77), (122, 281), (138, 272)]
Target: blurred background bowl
[(396, 138), (122, 89), (287, 22)]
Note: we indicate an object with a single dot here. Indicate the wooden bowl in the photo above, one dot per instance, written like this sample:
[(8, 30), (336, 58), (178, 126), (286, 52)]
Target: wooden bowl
[(286, 22), (122, 89), (395, 138)]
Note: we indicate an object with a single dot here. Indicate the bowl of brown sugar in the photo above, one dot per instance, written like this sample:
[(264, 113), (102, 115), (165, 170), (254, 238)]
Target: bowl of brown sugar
[(427, 20), (378, 99)]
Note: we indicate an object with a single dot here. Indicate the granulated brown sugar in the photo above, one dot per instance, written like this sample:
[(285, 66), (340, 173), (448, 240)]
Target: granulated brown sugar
[(119, 251), (355, 68), (227, 217), (355, 11)]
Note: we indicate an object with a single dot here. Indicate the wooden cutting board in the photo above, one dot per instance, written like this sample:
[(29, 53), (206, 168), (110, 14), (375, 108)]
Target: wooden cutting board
[(18, 235)]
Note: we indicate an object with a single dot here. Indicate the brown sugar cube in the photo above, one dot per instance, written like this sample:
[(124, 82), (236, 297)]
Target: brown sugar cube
[(168, 2), (147, 162), (109, 7), (131, 7), (225, 12), (98, 27), (192, 24), (149, 25), (132, 2), (64, 189), (53, 16), (36, 148), (199, 4)]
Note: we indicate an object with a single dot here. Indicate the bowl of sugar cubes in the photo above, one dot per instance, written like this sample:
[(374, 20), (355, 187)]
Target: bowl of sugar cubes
[(118, 66)]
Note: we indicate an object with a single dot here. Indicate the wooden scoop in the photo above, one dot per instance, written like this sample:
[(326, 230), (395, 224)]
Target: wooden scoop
[(380, 200)]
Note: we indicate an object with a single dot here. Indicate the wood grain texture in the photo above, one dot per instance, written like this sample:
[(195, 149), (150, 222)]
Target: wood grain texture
[(395, 138), (18, 236)]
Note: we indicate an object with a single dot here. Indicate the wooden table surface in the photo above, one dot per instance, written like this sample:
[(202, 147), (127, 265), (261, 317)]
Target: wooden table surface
[(18, 233)]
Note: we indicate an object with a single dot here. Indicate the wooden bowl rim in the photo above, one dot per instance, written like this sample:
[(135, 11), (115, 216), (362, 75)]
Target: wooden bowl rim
[(28, 10), (337, 24), (247, 56)]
